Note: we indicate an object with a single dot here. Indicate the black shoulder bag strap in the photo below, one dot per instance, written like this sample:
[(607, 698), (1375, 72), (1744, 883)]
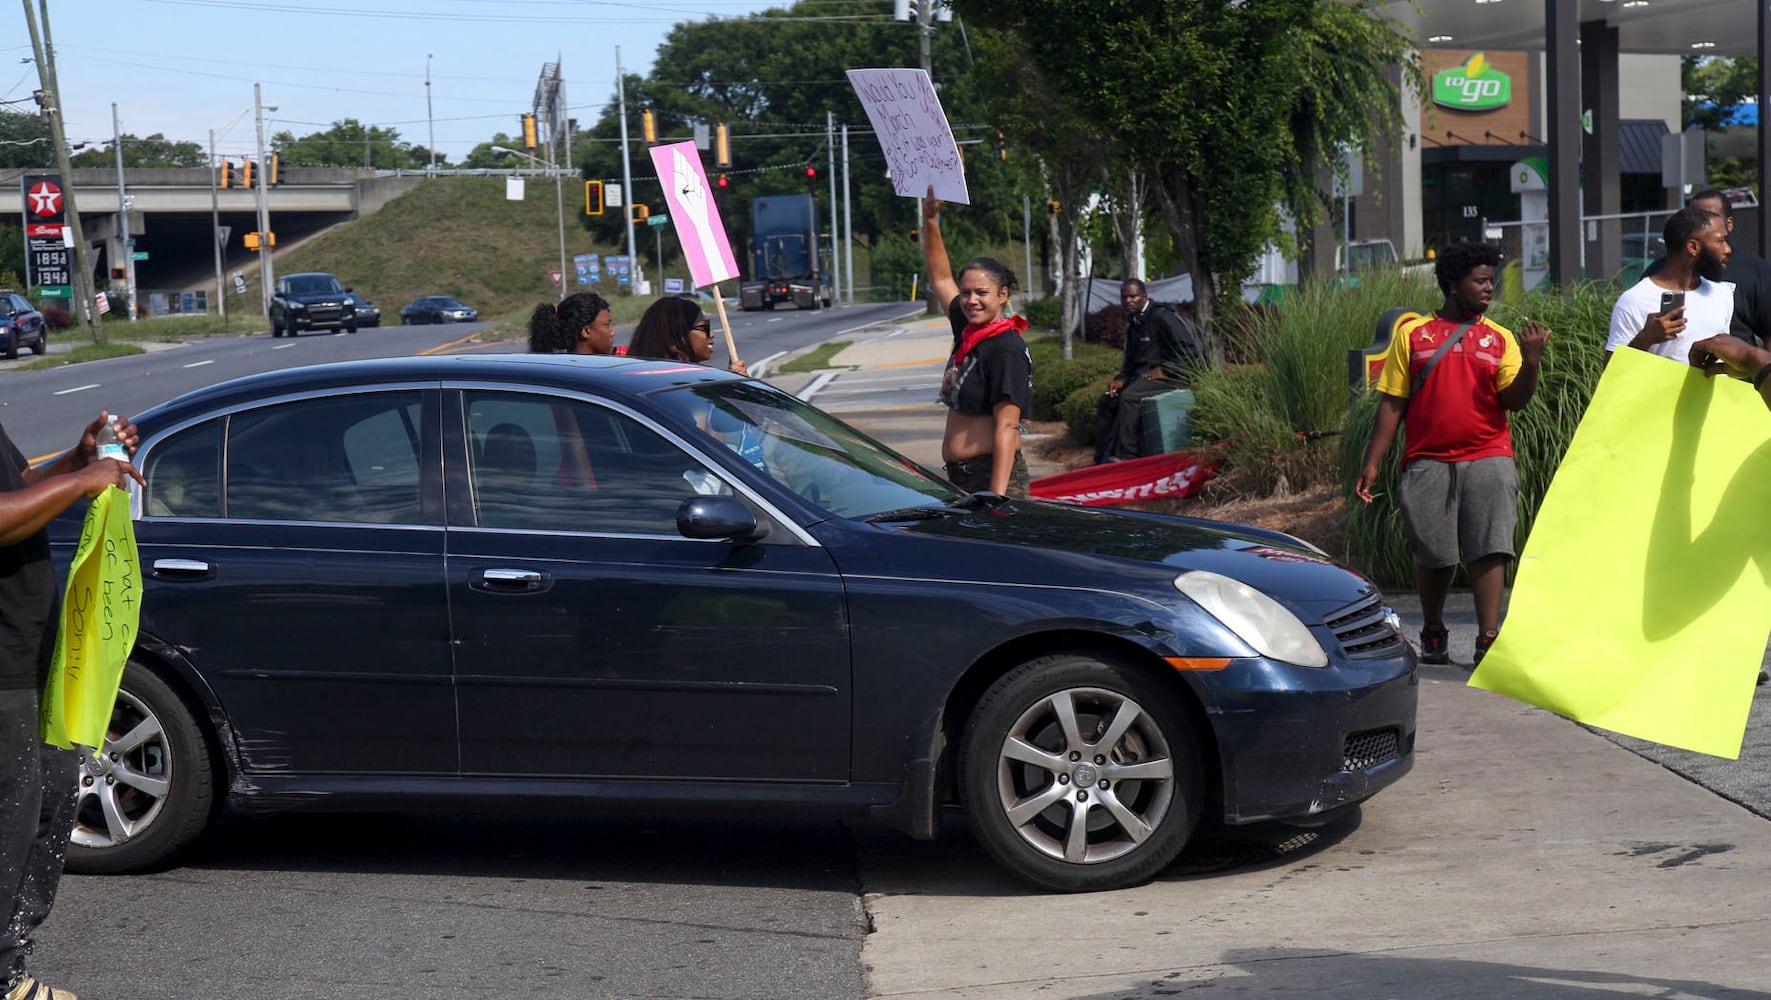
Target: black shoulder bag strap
[(1433, 362)]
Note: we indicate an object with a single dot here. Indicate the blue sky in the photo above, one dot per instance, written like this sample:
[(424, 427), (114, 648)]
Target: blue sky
[(182, 67)]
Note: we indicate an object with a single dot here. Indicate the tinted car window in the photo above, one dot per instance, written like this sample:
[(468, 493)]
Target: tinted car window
[(184, 474), (19, 305), (544, 464), (321, 284), (340, 458)]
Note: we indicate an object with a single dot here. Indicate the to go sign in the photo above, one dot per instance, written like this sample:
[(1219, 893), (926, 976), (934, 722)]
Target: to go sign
[(1474, 86)]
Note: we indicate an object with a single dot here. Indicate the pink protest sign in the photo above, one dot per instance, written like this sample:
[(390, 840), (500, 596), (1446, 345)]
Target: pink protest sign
[(693, 214)]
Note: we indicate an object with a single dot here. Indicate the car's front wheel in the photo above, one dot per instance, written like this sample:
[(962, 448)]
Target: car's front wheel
[(150, 791), (1080, 773)]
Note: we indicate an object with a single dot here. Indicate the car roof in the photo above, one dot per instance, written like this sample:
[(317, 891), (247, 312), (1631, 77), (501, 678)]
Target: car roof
[(617, 377), (312, 274)]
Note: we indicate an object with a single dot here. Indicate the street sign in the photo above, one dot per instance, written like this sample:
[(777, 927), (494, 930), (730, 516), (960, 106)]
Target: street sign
[(673, 286), (138, 255), (239, 283), (222, 234), (48, 261), (657, 220), (554, 277), (612, 195)]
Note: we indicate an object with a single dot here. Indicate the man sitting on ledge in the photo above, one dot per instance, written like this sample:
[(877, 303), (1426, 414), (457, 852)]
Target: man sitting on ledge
[(1160, 348)]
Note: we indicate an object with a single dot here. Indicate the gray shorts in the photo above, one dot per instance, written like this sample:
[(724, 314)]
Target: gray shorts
[(1456, 512)]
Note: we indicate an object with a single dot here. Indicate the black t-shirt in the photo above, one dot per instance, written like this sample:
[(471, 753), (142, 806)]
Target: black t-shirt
[(998, 368), (27, 592)]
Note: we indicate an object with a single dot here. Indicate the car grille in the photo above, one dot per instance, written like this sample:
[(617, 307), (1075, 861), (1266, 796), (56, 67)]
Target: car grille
[(1371, 748), (1364, 630), (324, 314)]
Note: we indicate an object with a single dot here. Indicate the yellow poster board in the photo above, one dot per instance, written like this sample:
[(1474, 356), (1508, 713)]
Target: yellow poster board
[(1643, 597), (100, 614)]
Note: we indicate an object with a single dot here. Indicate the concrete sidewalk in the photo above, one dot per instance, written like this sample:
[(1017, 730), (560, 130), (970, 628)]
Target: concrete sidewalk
[(1524, 857)]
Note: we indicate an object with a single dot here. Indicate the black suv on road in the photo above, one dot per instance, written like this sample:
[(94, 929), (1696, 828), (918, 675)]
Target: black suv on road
[(311, 301)]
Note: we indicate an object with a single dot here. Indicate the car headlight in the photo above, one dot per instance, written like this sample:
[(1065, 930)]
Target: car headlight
[(1257, 619), (293, 306)]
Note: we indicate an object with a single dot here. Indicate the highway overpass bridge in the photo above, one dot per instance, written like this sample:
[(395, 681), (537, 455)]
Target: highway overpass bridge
[(170, 215)]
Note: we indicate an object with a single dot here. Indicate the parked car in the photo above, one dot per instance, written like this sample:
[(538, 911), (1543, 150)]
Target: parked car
[(436, 309), (21, 325), (565, 582), (312, 300), (367, 312)]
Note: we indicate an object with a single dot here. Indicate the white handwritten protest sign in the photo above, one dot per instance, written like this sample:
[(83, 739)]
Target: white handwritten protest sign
[(913, 132)]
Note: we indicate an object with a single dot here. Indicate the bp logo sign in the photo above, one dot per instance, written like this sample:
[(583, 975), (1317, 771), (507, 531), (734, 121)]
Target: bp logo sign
[(1474, 86)]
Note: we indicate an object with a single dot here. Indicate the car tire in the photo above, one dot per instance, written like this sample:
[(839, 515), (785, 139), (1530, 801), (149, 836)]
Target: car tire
[(41, 347), (1014, 755), (12, 347), (156, 768), (351, 328)]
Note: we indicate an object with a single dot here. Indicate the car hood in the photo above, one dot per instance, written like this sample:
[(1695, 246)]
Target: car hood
[(1119, 545), (319, 298)]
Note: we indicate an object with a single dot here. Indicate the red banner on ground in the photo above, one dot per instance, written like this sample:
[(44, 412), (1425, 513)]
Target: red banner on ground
[(1175, 475)]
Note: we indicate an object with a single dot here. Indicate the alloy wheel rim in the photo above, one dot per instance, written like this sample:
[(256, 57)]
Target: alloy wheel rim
[(123, 788), (1085, 776)]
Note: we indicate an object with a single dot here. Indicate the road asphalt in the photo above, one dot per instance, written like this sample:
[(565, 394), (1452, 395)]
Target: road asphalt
[(1525, 856)]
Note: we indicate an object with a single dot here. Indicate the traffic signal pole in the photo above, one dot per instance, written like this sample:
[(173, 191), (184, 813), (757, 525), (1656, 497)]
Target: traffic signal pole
[(627, 198), (266, 282)]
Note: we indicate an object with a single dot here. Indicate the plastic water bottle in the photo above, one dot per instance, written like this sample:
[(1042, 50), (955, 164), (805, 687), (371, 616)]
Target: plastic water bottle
[(109, 446)]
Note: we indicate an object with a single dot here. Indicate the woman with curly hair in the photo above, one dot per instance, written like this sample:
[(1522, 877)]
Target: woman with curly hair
[(579, 324)]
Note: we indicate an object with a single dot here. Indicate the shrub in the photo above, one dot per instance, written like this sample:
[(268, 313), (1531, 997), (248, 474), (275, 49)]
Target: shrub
[(1572, 364), (1054, 379), (54, 317), (1042, 314), (1106, 327), (1077, 411)]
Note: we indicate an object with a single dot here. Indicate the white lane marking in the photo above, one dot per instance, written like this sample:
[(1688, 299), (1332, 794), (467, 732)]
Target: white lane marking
[(199, 364), (817, 385), (78, 388), (281, 347), (777, 319), (761, 367)]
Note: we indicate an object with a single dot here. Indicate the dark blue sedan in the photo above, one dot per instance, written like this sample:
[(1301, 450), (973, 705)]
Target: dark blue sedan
[(546, 582)]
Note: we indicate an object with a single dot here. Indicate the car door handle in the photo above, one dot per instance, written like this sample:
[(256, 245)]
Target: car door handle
[(510, 581), (183, 569)]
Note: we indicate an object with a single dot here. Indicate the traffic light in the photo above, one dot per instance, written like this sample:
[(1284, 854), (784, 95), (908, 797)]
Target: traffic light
[(916, 236), (1052, 206), (246, 173), (722, 181), (649, 126), (529, 140), (252, 241), (641, 213), (276, 171), (227, 173), (1001, 146), (811, 178), (722, 146), (119, 274), (593, 197)]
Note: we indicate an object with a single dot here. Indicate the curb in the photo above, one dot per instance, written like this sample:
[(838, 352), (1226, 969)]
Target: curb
[(762, 368)]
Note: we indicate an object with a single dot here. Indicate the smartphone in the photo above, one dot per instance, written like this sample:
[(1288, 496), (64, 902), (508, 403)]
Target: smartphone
[(1670, 301)]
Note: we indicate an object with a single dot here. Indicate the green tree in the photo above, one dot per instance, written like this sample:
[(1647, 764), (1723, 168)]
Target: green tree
[(1715, 87), (484, 157), (350, 143), (24, 142), (144, 151), (1231, 108)]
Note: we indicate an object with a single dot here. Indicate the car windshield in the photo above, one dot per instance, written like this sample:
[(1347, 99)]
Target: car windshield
[(314, 284), (806, 451)]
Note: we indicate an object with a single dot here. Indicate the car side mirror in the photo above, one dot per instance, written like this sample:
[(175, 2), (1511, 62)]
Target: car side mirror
[(347, 288), (726, 518)]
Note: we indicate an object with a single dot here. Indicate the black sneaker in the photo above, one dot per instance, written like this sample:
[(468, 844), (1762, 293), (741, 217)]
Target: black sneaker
[(1435, 644), (1763, 676), (1484, 641)]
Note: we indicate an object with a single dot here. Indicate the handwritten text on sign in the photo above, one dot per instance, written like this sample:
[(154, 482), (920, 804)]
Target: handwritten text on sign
[(913, 132)]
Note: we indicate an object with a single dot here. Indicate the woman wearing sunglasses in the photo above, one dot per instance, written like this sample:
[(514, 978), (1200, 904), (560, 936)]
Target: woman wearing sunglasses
[(675, 329)]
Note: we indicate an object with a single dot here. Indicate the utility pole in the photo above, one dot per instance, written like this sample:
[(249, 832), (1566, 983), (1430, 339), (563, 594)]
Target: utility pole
[(221, 290), (848, 223), (925, 19), (430, 116), (123, 235), (44, 52), (559, 202), (835, 255), (627, 198), (265, 279)]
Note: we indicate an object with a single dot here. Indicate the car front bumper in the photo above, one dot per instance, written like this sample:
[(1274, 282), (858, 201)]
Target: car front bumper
[(1296, 742)]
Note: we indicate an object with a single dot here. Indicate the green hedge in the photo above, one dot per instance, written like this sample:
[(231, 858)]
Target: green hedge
[(1056, 380)]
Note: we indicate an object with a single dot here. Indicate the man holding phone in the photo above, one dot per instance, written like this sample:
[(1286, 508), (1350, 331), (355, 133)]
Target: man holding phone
[(1687, 300)]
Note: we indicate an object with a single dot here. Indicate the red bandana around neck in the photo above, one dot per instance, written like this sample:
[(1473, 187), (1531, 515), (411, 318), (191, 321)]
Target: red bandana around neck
[(975, 334)]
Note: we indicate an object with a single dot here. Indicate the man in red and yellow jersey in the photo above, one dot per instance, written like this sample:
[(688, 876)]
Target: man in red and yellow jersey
[(1453, 376)]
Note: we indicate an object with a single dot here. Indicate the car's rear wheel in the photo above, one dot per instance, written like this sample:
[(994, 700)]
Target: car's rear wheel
[(151, 790), (1080, 773), (42, 344)]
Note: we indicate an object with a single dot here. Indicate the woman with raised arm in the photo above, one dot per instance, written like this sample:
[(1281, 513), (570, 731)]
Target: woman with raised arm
[(988, 385)]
